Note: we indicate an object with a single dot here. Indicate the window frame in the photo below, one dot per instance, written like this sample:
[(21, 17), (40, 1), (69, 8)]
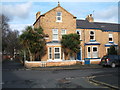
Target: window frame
[(79, 33), (95, 52), (53, 33), (57, 53), (49, 53), (89, 52), (58, 16), (92, 35), (63, 33), (110, 37)]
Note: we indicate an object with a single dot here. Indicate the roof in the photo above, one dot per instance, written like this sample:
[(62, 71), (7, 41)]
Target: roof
[(84, 24)]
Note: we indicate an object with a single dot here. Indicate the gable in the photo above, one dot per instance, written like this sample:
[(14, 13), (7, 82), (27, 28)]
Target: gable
[(60, 8)]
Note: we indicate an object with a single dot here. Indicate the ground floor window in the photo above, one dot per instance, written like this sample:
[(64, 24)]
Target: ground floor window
[(92, 52), (89, 52), (50, 52), (57, 52)]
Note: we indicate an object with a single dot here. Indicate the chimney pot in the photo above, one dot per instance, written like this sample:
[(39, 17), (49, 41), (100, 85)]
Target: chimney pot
[(37, 15), (90, 18)]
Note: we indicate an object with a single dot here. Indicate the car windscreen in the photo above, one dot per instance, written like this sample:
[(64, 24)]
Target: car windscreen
[(104, 57)]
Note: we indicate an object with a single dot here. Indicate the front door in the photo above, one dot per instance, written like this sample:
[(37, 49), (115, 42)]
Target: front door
[(79, 55)]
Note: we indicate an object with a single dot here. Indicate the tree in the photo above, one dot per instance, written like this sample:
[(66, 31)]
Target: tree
[(70, 45), (4, 28), (10, 41), (112, 50), (33, 40)]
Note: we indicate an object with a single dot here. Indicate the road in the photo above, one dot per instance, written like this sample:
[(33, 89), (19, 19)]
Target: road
[(26, 78)]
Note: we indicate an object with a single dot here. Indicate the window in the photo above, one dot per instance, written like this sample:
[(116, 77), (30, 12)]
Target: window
[(50, 53), (92, 53), (110, 37), (95, 52), (55, 34), (63, 31), (59, 17), (92, 35), (88, 52), (79, 33), (57, 53)]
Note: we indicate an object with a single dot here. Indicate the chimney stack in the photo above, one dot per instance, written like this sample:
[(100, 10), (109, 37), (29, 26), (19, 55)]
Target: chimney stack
[(37, 15), (90, 18)]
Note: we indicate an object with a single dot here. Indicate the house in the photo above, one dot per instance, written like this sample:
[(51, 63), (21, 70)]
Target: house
[(96, 37), (119, 42)]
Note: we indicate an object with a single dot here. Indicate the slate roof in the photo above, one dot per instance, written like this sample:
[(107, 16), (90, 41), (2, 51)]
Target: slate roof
[(84, 24)]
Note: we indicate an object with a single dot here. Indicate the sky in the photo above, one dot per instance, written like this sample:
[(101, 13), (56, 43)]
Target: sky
[(22, 12)]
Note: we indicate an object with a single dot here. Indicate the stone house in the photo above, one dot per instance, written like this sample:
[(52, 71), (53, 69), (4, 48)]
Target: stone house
[(96, 37)]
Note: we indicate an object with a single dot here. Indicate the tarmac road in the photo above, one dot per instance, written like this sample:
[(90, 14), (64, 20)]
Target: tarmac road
[(27, 78)]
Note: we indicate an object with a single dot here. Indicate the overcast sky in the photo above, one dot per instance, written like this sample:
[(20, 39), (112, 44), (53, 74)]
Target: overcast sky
[(22, 13)]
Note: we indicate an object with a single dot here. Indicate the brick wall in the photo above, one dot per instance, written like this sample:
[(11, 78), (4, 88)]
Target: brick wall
[(30, 64)]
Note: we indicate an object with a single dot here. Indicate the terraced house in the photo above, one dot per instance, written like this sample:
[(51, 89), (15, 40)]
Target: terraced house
[(96, 38)]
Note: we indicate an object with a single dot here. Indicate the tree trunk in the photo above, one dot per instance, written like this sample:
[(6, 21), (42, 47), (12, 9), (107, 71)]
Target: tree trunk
[(31, 58)]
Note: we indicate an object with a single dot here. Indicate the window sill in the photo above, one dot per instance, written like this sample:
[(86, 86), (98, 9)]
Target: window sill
[(111, 42), (58, 21), (92, 40)]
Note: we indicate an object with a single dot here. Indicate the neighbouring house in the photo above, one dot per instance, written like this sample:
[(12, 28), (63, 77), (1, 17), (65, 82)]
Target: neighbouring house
[(119, 42), (96, 37)]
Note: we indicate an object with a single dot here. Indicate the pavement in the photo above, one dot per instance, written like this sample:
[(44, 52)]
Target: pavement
[(105, 79)]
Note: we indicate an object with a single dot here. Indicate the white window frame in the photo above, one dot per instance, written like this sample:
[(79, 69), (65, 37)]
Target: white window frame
[(110, 36), (57, 53), (94, 52), (49, 53), (63, 33), (53, 33), (92, 35), (89, 52), (58, 16), (79, 33)]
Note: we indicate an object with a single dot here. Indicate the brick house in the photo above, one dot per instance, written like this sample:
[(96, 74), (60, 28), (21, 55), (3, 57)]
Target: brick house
[(96, 38)]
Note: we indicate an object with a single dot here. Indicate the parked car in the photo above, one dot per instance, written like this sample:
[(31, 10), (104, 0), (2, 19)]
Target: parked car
[(110, 60)]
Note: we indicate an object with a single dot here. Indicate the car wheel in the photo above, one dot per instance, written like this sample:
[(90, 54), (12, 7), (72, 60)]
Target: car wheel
[(113, 65)]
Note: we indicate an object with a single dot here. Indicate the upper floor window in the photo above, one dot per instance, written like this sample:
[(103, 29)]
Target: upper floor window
[(92, 35), (63, 31), (59, 17), (55, 34), (110, 37), (79, 33)]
